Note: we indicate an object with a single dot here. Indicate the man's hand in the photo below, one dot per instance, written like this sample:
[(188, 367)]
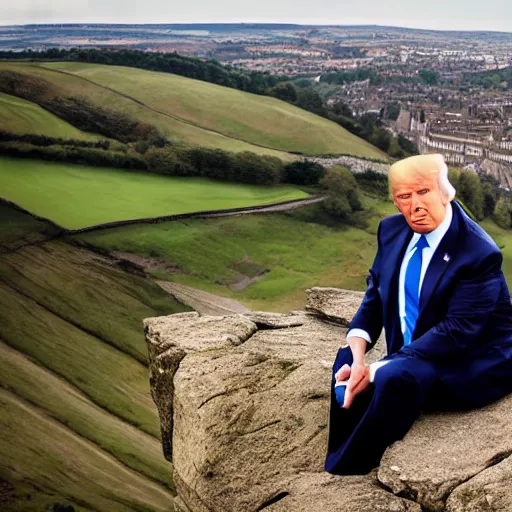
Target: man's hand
[(358, 382), (343, 373), (358, 374)]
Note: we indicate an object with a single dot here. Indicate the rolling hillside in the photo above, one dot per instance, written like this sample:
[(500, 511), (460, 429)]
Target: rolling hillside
[(76, 196), (200, 113), (78, 425), (21, 116), (265, 261)]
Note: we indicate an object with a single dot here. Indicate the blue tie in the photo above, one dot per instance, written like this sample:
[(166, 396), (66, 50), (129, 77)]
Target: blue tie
[(412, 286)]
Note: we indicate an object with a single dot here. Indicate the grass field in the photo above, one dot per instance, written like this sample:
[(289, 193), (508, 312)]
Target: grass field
[(78, 425), (297, 253), (76, 196), (257, 119), (21, 116), (200, 113), (176, 130)]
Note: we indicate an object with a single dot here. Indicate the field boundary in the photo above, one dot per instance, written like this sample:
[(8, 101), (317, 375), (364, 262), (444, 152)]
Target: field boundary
[(264, 208)]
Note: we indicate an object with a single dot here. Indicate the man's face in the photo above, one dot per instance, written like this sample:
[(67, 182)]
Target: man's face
[(420, 201)]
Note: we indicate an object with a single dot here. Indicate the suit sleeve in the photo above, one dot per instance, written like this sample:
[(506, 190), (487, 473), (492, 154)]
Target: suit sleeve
[(369, 315), (472, 302)]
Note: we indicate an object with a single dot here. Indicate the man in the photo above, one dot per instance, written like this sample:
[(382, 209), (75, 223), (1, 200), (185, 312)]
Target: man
[(437, 288)]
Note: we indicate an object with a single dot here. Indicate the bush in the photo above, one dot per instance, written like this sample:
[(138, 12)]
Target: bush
[(343, 194), (373, 182), (503, 213), (303, 173), (257, 170)]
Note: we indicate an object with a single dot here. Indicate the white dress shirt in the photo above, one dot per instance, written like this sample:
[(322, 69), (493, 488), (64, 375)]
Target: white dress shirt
[(434, 239)]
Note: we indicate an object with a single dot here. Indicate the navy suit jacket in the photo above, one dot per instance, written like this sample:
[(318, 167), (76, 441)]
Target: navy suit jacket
[(465, 308)]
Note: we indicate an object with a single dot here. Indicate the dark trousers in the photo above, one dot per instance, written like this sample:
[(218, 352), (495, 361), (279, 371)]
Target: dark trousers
[(385, 412)]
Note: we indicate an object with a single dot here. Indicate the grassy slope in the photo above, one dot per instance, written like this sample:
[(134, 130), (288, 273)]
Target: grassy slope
[(298, 254), (212, 115), (257, 119), (504, 240), (77, 422), (43, 452), (21, 116), (75, 196), (70, 85)]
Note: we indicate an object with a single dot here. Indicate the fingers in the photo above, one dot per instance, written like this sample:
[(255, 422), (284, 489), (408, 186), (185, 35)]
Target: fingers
[(349, 398), (362, 385), (356, 374), (358, 387), (343, 373)]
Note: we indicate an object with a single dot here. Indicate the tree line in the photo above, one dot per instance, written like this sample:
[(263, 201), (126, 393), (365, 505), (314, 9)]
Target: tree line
[(480, 194), (191, 67), (494, 79), (160, 156)]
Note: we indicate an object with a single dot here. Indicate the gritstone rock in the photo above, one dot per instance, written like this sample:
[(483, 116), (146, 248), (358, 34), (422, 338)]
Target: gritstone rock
[(243, 403)]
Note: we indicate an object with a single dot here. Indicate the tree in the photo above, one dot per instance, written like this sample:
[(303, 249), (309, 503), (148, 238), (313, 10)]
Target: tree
[(303, 173), (470, 191), (340, 108), (286, 92), (393, 110), (309, 99), (489, 198), (343, 193), (382, 139), (428, 76), (502, 213), (407, 145)]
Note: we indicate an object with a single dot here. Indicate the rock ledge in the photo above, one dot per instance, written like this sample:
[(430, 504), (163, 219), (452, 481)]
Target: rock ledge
[(243, 402)]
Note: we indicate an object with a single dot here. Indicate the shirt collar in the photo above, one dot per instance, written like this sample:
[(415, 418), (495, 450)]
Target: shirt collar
[(434, 237)]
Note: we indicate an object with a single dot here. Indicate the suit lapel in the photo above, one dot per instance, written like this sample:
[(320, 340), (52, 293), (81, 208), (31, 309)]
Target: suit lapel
[(442, 258)]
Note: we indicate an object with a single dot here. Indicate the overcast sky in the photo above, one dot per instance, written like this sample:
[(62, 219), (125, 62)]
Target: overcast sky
[(433, 14)]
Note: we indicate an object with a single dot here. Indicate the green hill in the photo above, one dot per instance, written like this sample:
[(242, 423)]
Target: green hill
[(290, 252), (200, 113), (216, 255), (76, 196), (77, 423), (22, 116)]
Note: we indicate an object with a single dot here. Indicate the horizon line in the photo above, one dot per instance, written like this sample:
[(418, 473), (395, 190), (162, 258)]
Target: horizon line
[(235, 23)]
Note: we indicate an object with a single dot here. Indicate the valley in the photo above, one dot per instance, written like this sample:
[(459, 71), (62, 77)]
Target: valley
[(86, 144)]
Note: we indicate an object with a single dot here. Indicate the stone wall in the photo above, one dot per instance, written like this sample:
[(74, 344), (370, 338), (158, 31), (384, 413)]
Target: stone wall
[(243, 402), (356, 165)]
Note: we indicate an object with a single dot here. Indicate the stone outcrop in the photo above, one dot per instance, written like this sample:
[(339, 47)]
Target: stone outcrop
[(333, 304), (356, 165), (243, 402), (500, 171)]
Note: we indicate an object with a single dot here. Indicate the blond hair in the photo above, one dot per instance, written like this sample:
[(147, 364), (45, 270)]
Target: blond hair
[(424, 166)]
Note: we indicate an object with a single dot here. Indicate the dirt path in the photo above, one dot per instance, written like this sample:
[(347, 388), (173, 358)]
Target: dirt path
[(203, 302)]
